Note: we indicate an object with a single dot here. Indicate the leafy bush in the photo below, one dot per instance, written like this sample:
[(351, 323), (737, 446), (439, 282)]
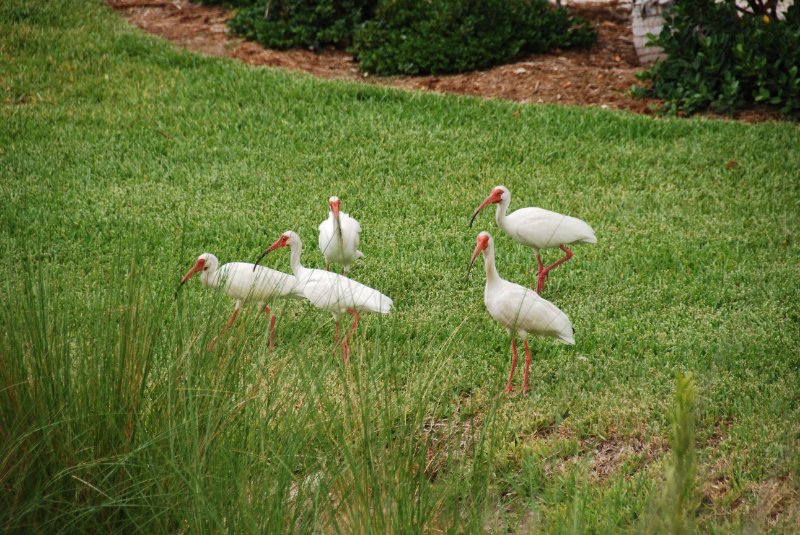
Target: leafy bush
[(301, 23), (412, 36), (725, 58), (441, 36)]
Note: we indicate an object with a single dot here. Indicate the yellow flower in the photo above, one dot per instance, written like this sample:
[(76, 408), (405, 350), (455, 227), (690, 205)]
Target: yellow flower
[(765, 18)]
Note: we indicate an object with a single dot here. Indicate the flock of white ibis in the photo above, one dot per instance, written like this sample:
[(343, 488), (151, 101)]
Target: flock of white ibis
[(520, 310)]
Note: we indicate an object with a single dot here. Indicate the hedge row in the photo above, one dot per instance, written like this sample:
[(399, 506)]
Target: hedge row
[(413, 36)]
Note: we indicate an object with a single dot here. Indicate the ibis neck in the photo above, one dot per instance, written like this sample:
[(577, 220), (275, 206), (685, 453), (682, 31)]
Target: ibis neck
[(488, 261), (294, 259), (337, 227), (500, 214), (210, 277)]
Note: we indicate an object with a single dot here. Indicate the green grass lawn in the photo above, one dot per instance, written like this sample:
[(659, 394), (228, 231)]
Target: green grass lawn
[(122, 159)]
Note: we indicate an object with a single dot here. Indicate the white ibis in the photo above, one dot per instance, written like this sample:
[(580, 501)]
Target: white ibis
[(520, 310), (243, 282), (338, 238), (537, 228), (331, 291)]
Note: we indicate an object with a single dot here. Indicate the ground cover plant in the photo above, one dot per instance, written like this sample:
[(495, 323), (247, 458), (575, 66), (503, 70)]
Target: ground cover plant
[(122, 159), (285, 24), (447, 36), (412, 37), (725, 57)]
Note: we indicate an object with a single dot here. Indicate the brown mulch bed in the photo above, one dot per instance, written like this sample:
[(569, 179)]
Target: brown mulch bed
[(601, 76)]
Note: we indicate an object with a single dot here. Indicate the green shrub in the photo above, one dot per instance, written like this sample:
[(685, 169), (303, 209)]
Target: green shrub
[(301, 23), (411, 36), (722, 58), (441, 36)]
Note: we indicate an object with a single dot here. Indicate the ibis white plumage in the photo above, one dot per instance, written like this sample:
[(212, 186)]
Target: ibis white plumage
[(243, 282), (330, 291), (537, 228), (338, 237), (520, 310)]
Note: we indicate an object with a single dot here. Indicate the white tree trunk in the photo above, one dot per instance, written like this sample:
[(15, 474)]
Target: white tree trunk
[(647, 19)]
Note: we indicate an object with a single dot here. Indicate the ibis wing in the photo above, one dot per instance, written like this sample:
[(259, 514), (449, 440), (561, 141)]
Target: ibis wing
[(351, 230), (241, 281), (336, 293), (521, 309), (327, 242), (350, 223), (542, 228)]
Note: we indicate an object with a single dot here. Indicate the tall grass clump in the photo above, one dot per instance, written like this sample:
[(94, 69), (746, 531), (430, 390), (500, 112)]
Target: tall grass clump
[(674, 509), (114, 417), (72, 403)]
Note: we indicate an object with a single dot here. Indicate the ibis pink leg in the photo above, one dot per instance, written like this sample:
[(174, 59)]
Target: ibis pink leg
[(510, 386), (345, 344), (327, 266), (527, 368), (540, 278), (271, 327), (543, 274), (230, 322)]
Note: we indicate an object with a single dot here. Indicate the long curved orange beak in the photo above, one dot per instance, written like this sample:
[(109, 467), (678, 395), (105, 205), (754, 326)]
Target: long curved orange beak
[(492, 198), (196, 268), (478, 248), (280, 243)]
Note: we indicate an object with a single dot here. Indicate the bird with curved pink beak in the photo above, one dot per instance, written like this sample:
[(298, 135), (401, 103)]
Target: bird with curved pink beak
[(338, 237), (537, 228), (330, 291), (243, 283), (520, 310), (198, 267)]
